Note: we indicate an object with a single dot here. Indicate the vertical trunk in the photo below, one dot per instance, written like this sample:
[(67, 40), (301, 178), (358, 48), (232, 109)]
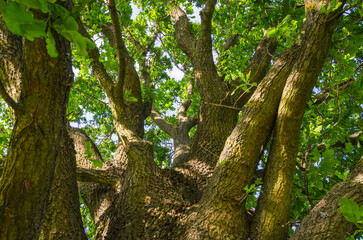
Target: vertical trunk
[(29, 169), (63, 219)]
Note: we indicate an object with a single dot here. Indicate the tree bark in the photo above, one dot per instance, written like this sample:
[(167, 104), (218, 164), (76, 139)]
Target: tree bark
[(63, 218), (274, 205), (29, 168)]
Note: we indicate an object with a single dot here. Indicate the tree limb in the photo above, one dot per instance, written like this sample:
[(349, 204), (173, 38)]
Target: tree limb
[(9, 100), (183, 32), (206, 25), (98, 68), (230, 42), (162, 123), (325, 220), (325, 94), (97, 176), (182, 113), (120, 48), (257, 68)]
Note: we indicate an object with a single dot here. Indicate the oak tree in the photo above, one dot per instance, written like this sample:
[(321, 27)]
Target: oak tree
[(258, 137)]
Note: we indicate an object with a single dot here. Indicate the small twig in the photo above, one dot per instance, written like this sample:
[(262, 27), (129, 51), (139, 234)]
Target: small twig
[(91, 96), (248, 89), (225, 106), (209, 151)]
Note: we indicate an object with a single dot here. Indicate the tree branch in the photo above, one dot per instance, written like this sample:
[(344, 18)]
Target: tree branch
[(206, 25), (183, 32), (182, 113), (97, 176), (257, 68), (120, 48), (325, 220), (162, 123), (98, 68), (325, 94), (9, 100), (230, 42)]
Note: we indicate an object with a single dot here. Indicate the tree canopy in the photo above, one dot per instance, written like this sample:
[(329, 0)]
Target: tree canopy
[(181, 119)]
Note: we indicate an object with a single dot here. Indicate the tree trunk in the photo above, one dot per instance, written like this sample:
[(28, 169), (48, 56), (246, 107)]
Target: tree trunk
[(63, 219), (37, 87)]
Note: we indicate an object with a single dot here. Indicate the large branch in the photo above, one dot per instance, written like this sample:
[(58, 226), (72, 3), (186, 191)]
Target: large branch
[(183, 32), (9, 100), (257, 68), (80, 140), (274, 205), (98, 68), (206, 23), (162, 123), (325, 220), (224, 197), (97, 176), (120, 48)]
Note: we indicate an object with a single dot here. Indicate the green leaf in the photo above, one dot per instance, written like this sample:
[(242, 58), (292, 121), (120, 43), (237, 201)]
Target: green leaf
[(128, 97), (67, 26), (96, 163), (350, 210), (348, 147), (20, 21), (2, 6), (88, 152), (323, 9), (16, 15), (31, 31), (52, 51), (342, 176)]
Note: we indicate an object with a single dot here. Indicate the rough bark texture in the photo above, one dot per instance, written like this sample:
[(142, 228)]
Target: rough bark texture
[(31, 160), (137, 200), (218, 110), (63, 219), (130, 197), (273, 209)]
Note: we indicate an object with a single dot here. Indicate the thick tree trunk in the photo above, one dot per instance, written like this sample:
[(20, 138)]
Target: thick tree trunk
[(63, 218), (31, 159)]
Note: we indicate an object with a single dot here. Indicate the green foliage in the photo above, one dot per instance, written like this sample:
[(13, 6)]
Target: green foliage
[(89, 152), (128, 97), (333, 5), (352, 213), (20, 20), (252, 192), (87, 220), (326, 155), (5, 130)]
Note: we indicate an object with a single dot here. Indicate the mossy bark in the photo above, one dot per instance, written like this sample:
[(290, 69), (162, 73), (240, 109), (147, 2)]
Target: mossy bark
[(42, 95)]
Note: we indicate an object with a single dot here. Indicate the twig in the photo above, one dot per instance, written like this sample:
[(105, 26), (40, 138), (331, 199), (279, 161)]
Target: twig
[(225, 106), (91, 96)]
